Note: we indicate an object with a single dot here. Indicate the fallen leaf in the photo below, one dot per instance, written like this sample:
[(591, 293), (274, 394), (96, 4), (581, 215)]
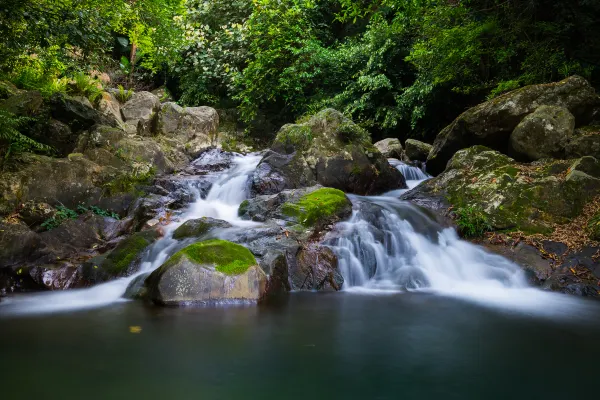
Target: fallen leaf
[(135, 329)]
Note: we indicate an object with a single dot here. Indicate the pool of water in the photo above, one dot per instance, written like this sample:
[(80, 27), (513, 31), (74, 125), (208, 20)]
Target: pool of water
[(323, 346)]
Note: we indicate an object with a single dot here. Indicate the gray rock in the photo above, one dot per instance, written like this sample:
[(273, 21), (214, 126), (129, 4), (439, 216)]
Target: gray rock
[(416, 150), (491, 123), (543, 133), (198, 227), (142, 108), (390, 148)]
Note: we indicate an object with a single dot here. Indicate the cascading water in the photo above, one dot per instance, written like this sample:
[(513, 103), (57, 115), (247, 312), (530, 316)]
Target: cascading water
[(391, 246), (222, 201)]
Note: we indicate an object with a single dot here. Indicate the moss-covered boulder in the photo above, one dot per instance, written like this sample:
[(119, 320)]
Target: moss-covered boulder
[(198, 227), (491, 123), (510, 195), (417, 150), (209, 271), (24, 103), (543, 133), (123, 260), (390, 148), (313, 207), (328, 149)]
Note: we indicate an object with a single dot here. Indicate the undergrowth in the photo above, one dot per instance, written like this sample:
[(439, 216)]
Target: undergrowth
[(472, 222), (64, 213)]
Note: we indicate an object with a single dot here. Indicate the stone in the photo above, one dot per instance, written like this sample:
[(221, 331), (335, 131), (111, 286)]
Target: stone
[(315, 268), (19, 245), (510, 195), (23, 103), (198, 227), (77, 112), (195, 127), (110, 108), (328, 149), (390, 148), (142, 108), (208, 272), (543, 133), (491, 123), (585, 142), (121, 261), (416, 150)]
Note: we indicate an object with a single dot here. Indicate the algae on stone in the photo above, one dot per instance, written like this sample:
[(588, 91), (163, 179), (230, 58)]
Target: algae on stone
[(316, 206), (226, 257)]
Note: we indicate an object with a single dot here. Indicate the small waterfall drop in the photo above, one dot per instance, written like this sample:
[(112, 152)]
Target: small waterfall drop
[(229, 189)]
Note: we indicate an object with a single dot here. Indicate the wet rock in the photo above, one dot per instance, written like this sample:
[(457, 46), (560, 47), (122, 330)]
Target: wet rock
[(205, 272), (53, 278), (123, 260), (390, 148), (20, 245), (416, 150), (330, 150), (137, 290), (491, 123), (198, 227), (543, 133), (275, 265), (315, 268), (313, 207), (34, 214)]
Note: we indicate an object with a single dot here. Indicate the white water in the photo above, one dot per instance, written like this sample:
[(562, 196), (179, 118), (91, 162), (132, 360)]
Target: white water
[(390, 246), (222, 202)]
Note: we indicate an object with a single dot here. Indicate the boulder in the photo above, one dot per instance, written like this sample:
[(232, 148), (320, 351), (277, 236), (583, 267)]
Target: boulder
[(121, 261), (77, 112), (195, 127), (59, 136), (313, 207), (315, 267), (198, 227), (584, 142), (328, 149), (543, 133), (390, 148), (492, 123), (141, 108), (510, 195), (110, 108), (7, 89), (19, 245), (207, 272), (24, 103), (416, 150)]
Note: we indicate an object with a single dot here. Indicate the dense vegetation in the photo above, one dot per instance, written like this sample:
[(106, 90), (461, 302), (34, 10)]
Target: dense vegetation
[(399, 68)]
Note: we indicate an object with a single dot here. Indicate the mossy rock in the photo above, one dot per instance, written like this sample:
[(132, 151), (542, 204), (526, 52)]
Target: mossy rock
[(328, 149), (318, 207), (509, 195), (198, 227), (213, 270), (119, 261)]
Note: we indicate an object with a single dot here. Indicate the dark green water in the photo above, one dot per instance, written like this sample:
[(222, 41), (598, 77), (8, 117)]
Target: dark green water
[(323, 346)]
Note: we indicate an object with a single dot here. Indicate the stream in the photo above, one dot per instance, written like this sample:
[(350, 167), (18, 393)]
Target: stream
[(422, 314)]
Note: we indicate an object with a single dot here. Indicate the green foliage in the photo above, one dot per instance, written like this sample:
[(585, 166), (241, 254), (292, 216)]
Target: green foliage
[(123, 95), (471, 222), (316, 206), (129, 182), (84, 85), (12, 140), (63, 214), (227, 257)]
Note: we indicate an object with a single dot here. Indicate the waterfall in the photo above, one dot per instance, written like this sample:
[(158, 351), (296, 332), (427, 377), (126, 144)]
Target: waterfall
[(229, 189), (391, 246)]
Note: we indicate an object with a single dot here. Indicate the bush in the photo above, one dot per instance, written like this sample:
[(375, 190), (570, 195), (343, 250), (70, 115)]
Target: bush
[(471, 222)]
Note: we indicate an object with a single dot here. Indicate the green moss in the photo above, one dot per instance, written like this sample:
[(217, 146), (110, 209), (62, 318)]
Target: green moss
[(118, 261), (128, 182), (298, 137), (243, 207), (227, 257), (316, 206), (472, 222), (349, 132)]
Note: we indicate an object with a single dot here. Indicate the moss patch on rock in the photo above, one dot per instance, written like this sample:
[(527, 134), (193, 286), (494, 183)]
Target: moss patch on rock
[(317, 206), (226, 257), (118, 261)]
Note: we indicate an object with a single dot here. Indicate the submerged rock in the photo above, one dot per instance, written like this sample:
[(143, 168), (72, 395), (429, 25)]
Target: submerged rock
[(328, 149), (491, 123), (209, 271)]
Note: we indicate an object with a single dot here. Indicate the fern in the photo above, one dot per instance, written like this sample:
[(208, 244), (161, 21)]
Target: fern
[(123, 95), (12, 140), (86, 86)]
